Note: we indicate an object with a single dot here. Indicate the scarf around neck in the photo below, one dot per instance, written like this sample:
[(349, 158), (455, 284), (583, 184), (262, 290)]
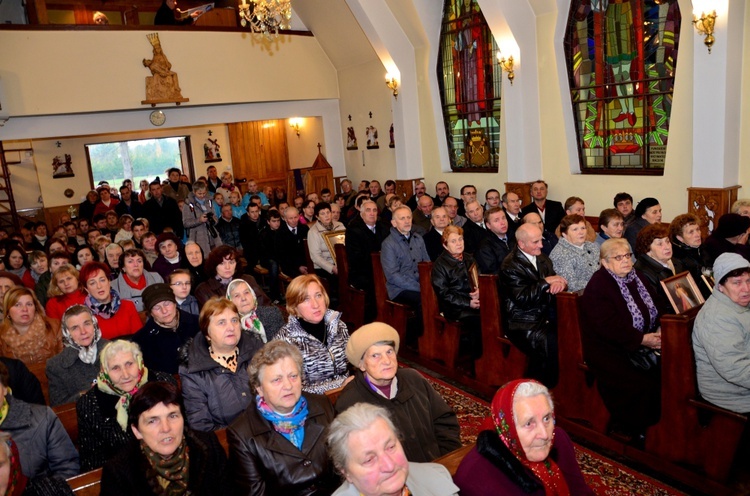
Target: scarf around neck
[(638, 320), (291, 426), (104, 310), (104, 384), (16, 480), (546, 471), (169, 476), (249, 321)]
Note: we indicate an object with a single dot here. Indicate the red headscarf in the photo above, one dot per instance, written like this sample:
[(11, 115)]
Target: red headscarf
[(504, 423), (16, 479)]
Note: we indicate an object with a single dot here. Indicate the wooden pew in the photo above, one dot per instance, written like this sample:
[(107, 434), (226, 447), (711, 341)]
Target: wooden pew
[(691, 432), (40, 371), (351, 299), (394, 314), (452, 460), (311, 268), (501, 361), (87, 483), (69, 419), (441, 337), (576, 396)]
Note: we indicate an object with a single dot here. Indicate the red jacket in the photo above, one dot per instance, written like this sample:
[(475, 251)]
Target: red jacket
[(57, 305), (126, 321)]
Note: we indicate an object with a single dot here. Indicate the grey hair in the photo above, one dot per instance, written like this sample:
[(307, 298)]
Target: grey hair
[(111, 247), (742, 202), (119, 346), (530, 389), (355, 418), (271, 353)]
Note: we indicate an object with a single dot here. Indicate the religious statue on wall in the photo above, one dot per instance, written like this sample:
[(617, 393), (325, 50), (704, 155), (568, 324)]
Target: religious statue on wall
[(163, 85), (351, 139), (372, 137), (62, 168), (211, 151)]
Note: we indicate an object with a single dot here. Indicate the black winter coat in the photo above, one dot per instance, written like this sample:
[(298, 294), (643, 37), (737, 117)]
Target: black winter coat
[(693, 260), (655, 273), (361, 242), (491, 253), (160, 345), (125, 473), (450, 278), (263, 462)]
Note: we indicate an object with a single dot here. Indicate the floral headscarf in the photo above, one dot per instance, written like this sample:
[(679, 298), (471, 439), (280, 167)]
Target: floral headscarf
[(16, 480), (502, 417), (86, 354), (250, 320), (106, 385)]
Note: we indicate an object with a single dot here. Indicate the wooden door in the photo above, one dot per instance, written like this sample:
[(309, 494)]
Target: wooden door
[(259, 151)]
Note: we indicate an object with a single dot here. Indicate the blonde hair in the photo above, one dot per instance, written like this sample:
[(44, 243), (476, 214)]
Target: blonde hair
[(54, 289), (296, 292)]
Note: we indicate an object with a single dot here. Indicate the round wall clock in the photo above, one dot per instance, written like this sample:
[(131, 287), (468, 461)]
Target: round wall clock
[(157, 117)]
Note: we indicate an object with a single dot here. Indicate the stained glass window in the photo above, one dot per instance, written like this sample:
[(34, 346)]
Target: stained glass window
[(621, 57), (470, 81)]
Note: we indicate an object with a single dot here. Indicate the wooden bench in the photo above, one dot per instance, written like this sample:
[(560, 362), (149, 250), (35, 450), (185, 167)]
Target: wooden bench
[(501, 361), (691, 432), (452, 460), (394, 314), (441, 337), (69, 419), (576, 396), (40, 371), (351, 299)]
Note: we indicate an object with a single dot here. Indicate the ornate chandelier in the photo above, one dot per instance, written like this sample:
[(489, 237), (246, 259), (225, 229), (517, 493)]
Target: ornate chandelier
[(266, 16)]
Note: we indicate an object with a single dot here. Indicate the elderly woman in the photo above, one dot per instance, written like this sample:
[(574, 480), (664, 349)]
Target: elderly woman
[(227, 186), (43, 445), (17, 263), (365, 448), (611, 225), (134, 279), (116, 317), (321, 256), (318, 332), (113, 252), (429, 426), (165, 457), (721, 334), (516, 456), (214, 377), (276, 446), (103, 410), (194, 257), (685, 235), (72, 372), (223, 265), (457, 298), (655, 261), (64, 291), (575, 258), (26, 334), (265, 321), (619, 328), (647, 212)]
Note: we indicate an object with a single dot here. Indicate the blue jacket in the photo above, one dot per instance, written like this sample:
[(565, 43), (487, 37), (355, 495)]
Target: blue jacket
[(400, 257)]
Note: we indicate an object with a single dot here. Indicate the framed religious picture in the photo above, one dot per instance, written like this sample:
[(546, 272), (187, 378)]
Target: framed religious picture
[(708, 280), (62, 168), (474, 277), (351, 139), (211, 151), (332, 239), (682, 292), (372, 137)]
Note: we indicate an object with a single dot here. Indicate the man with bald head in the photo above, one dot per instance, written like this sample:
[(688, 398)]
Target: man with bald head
[(433, 240), (423, 213), (529, 283)]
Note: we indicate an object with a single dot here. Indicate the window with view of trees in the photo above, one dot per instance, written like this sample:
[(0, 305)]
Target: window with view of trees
[(470, 82), (137, 160), (621, 57)]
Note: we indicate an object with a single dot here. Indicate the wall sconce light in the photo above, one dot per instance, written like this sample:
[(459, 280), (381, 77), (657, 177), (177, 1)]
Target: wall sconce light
[(295, 124), (392, 84), (705, 25), (507, 66)]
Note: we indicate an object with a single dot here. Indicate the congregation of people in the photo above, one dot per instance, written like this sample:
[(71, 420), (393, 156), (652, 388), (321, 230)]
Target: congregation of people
[(172, 312)]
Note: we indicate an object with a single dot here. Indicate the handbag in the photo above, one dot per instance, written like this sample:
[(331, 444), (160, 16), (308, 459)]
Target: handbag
[(644, 358)]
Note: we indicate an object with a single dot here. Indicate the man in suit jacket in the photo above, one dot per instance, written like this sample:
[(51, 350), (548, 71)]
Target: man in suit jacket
[(529, 284), (550, 211), (433, 240), (474, 229), (162, 211), (420, 190), (292, 257), (512, 206), (423, 213), (497, 245)]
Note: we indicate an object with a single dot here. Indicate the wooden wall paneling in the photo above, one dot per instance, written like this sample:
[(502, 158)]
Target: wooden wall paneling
[(259, 151), (709, 204), (523, 190), (405, 188)]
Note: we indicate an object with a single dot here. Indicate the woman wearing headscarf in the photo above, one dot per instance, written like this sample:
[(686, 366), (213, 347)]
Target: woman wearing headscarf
[(522, 453), (12, 481), (223, 265), (72, 371), (265, 321), (647, 212), (103, 410)]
